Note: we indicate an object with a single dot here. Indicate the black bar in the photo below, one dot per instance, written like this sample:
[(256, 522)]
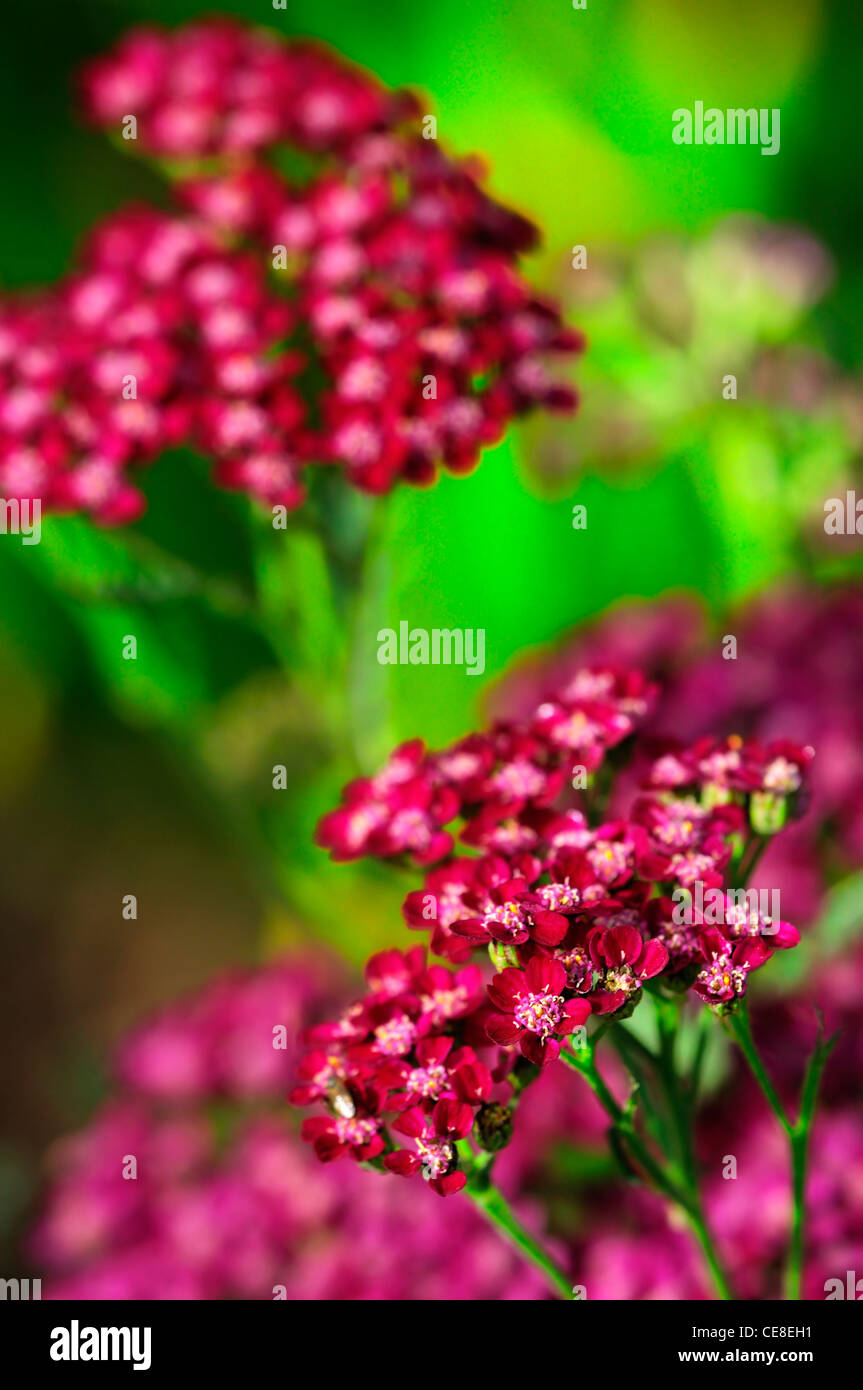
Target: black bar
[(233, 1339)]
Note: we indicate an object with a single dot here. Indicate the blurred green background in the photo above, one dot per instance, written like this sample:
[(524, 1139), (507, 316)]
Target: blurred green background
[(155, 777)]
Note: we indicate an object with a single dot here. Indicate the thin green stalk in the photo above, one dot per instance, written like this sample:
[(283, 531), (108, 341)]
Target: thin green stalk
[(798, 1131), (794, 1267), (641, 1065), (668, 1020), (685, 1195), (668, 1012), (687, 1200), (800, 1158), (497, 1211), (623, 1123), (705, 1240), (631, 1044), (739, 1026), (750, 858), (494, 1206), (698, 1059)]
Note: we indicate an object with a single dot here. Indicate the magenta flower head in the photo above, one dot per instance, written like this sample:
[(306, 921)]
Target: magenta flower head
[(686, 843), (444, 900), (769, 780), (724, 974), (624, 960), (441, 1071), (511, 914), (400, 811), (784, 791), (215, 87), (532, 1012), (741, 917), (550, 884), (595, 711), (434, 1133), (398, 1062), (357, 1134)]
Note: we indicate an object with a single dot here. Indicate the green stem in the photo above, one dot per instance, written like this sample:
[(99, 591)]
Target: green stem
[(800, 1157), (687, 1200), (751, 857), (641, 1065), (586, 1067), (685, 1195), (741, 1030), (798, 1132), (698, 1224), (497, 1211), (668, 1020), (668, 1013), (794, 1267), (701, 1041)]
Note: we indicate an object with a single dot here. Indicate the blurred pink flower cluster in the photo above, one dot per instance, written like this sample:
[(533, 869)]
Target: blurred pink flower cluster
[(354, 302), (162, 335), (225, 1201), (215, 88)]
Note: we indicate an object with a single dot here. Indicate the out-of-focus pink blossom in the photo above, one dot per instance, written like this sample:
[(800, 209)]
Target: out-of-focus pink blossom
[(224, 1201), (364, 310)]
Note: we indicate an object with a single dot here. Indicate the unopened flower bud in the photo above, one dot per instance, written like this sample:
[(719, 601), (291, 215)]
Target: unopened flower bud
[(502, 955), (715, 794), (493, 1129), (768, 812)]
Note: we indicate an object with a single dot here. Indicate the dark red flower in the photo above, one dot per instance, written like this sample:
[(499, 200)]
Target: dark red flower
[(439, 1071), (532, 1011), (434, 1133), (724, 974), (624, 959), (359, 1134)]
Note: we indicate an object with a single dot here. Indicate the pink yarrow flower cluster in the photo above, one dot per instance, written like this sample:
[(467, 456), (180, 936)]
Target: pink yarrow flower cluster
[(162, 336), (335, 290), (400, 1088), (501, 786), (771, 775), (767, 693), (215, 87), (414, 1067), (578, 914)]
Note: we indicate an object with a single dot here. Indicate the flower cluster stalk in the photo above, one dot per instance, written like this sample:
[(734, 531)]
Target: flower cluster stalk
[(797, 1131), (494, 1207), (676, 1178)]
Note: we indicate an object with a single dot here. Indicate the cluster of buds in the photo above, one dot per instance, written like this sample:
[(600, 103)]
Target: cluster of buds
[(576, 913), (770, 775), (334, 291)]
